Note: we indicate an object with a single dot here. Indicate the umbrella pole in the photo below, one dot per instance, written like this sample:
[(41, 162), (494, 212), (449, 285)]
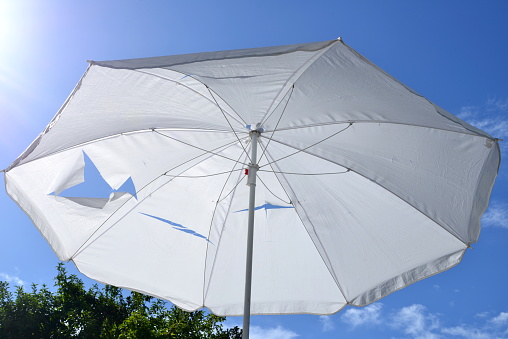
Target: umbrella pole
[(251, 181)]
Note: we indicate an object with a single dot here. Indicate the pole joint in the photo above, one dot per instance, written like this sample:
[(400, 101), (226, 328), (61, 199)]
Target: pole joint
[(251, 175)]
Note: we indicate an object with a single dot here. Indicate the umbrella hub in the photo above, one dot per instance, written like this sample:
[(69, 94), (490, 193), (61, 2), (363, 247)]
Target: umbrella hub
[(255, 128)]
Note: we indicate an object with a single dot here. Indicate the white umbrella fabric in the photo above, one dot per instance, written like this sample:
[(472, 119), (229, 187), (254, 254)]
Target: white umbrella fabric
[(363, 186)]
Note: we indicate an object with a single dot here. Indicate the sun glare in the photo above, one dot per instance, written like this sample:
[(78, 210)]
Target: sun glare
[(17, 22), (4, 23), (8, 23)]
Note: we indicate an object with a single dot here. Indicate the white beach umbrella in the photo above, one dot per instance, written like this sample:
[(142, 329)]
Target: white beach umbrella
[(358, 186)]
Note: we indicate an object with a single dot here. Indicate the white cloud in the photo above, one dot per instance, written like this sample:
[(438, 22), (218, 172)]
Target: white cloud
[(495, 327), (466, 332), (501, 319), (327, 324), (468, 112), (495, 126), (490, 117), (416, 322), (11, 279), (494, 104), (367, 315), (496, 215), (482, 314), (257, 332)]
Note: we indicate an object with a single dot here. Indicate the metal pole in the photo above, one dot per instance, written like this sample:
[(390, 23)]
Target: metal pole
[(251, 181)]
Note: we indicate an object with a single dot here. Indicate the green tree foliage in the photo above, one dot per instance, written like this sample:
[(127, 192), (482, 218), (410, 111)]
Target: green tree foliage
[(75, 312)]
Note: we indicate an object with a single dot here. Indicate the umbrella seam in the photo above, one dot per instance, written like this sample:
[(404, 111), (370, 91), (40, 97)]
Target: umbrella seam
[(302, 48), (113, 136), (481, 175), (381, 122), (305, 67), (229, 123), (205, 290), (388, 190), (218, 244), (364, 59), (198, 93), (329, 267), (37, 141), (278, 121)]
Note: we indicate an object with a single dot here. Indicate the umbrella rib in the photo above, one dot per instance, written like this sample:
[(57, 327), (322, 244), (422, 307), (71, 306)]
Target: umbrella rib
[(193, 90), (205, 290), (229, 123), (83, 247), (375, 182), (199, 148), (303, 149), (380, 122), (201, 176), (227, 195), (275, 195), (324, 257), (294, 173)]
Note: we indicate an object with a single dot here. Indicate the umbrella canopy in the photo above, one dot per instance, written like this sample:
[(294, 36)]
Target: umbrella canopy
[(363, 186)]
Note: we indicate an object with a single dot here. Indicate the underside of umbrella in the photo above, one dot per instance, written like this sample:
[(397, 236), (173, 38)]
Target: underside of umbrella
[(363, 185)]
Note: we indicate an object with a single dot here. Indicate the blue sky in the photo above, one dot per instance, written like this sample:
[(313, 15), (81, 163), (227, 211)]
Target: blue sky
[(452, 52)]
